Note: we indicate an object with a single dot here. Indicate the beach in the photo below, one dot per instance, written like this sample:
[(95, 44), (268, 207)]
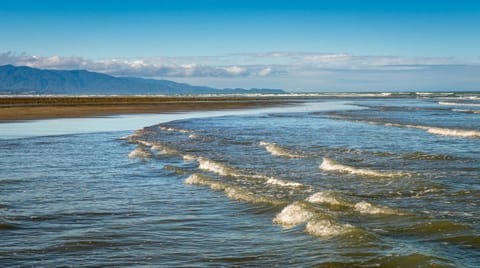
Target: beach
[(16, 108), (357, 181)]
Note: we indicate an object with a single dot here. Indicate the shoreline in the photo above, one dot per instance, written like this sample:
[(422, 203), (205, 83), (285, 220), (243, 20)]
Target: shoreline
[(36, 108)]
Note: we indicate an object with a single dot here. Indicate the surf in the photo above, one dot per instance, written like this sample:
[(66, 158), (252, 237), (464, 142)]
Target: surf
[(333, 166), (276, 150)]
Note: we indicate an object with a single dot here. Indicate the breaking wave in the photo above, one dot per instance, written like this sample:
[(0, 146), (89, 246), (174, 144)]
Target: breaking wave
[(215, 167), (459, 104), (317, 223), (163, 149), (223, 170), (452, 132), (327, 227), (284, 183), (172, 129), (232, 192), (466, 111), (139, 152), (368, 208), (328, 197), (276, 150), (330, 165), (198, 179), (294, 214), (193, 136), (240, 194)]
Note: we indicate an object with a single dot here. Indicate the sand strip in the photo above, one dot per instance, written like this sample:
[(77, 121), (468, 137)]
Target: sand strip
[(31, 108)]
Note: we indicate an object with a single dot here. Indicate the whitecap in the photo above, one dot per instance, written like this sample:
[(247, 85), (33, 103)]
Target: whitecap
[(293, 214), (215, 167), (452, 132), (189, 157), (330, 165), (198, 179), (327, 197), (276, 150), (193, 136), (283, 183), (327, 227), (139, 153), (368, 208), (162, 149), (240, 194), (172, 129), (459, 104), (466, 111)]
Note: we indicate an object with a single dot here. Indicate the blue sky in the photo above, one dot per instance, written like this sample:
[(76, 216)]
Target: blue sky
[(298, 45)]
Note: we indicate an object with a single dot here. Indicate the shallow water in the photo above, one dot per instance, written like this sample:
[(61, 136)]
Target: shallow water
[(322, 184)]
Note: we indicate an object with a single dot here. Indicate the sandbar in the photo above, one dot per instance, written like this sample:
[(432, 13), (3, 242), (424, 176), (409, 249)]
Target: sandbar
[(17, 108)]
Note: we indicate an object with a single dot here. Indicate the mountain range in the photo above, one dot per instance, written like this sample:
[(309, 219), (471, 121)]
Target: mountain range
[(27, 80)]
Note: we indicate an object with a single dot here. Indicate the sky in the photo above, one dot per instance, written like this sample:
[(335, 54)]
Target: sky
[(342, 45)]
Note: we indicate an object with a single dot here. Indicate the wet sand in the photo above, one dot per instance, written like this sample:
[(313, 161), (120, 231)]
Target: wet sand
[(32, 108)]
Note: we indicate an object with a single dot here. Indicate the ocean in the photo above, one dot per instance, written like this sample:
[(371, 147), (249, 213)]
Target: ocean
[(342, 180)]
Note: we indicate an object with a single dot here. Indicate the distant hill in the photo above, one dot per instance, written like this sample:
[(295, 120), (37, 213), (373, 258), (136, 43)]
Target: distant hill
[(27, 80)]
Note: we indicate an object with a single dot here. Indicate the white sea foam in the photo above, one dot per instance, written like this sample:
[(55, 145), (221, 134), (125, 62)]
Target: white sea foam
[(327, 197), (240, 194), (145, 143), (172, 129), (327, 227), (193, 136), (139, 153), (162, 149), (459, 104), (189, 157), (330, 165), (452, 132), (197, 179), (368, 208), (467, 111), (276, 150), (137, 133), (215, 167), (283, 183), (293, 214)]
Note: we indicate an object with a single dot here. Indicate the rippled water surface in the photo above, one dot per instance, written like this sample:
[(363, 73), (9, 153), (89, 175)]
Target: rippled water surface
[(389, 182)]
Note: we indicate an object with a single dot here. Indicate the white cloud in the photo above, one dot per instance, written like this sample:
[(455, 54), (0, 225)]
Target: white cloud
[(275, 69), (265, 72), (235, 70)]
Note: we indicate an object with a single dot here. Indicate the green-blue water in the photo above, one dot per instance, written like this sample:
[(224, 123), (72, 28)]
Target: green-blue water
[(343, 182)]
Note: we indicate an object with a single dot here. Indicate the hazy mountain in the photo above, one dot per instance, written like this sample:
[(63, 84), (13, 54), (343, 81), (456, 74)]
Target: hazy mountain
[(26, 80)]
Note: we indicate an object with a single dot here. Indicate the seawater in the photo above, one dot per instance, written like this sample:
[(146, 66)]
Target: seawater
[(365, 181)]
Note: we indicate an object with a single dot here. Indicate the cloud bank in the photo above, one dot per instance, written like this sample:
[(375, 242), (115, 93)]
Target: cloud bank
[(303, 71)]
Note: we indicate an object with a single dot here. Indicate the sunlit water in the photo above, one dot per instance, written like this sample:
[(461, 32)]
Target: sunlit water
[(389, 182)]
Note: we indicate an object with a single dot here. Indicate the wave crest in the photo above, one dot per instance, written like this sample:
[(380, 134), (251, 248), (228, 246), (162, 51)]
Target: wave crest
[(215, 167), (276, 150), (293, 215), (330, 165), (368, 208), (172, 129), (162, 149), (327, 227), (459, 104), (284, 183), (198, 179), (139, 153), (327, 197)]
